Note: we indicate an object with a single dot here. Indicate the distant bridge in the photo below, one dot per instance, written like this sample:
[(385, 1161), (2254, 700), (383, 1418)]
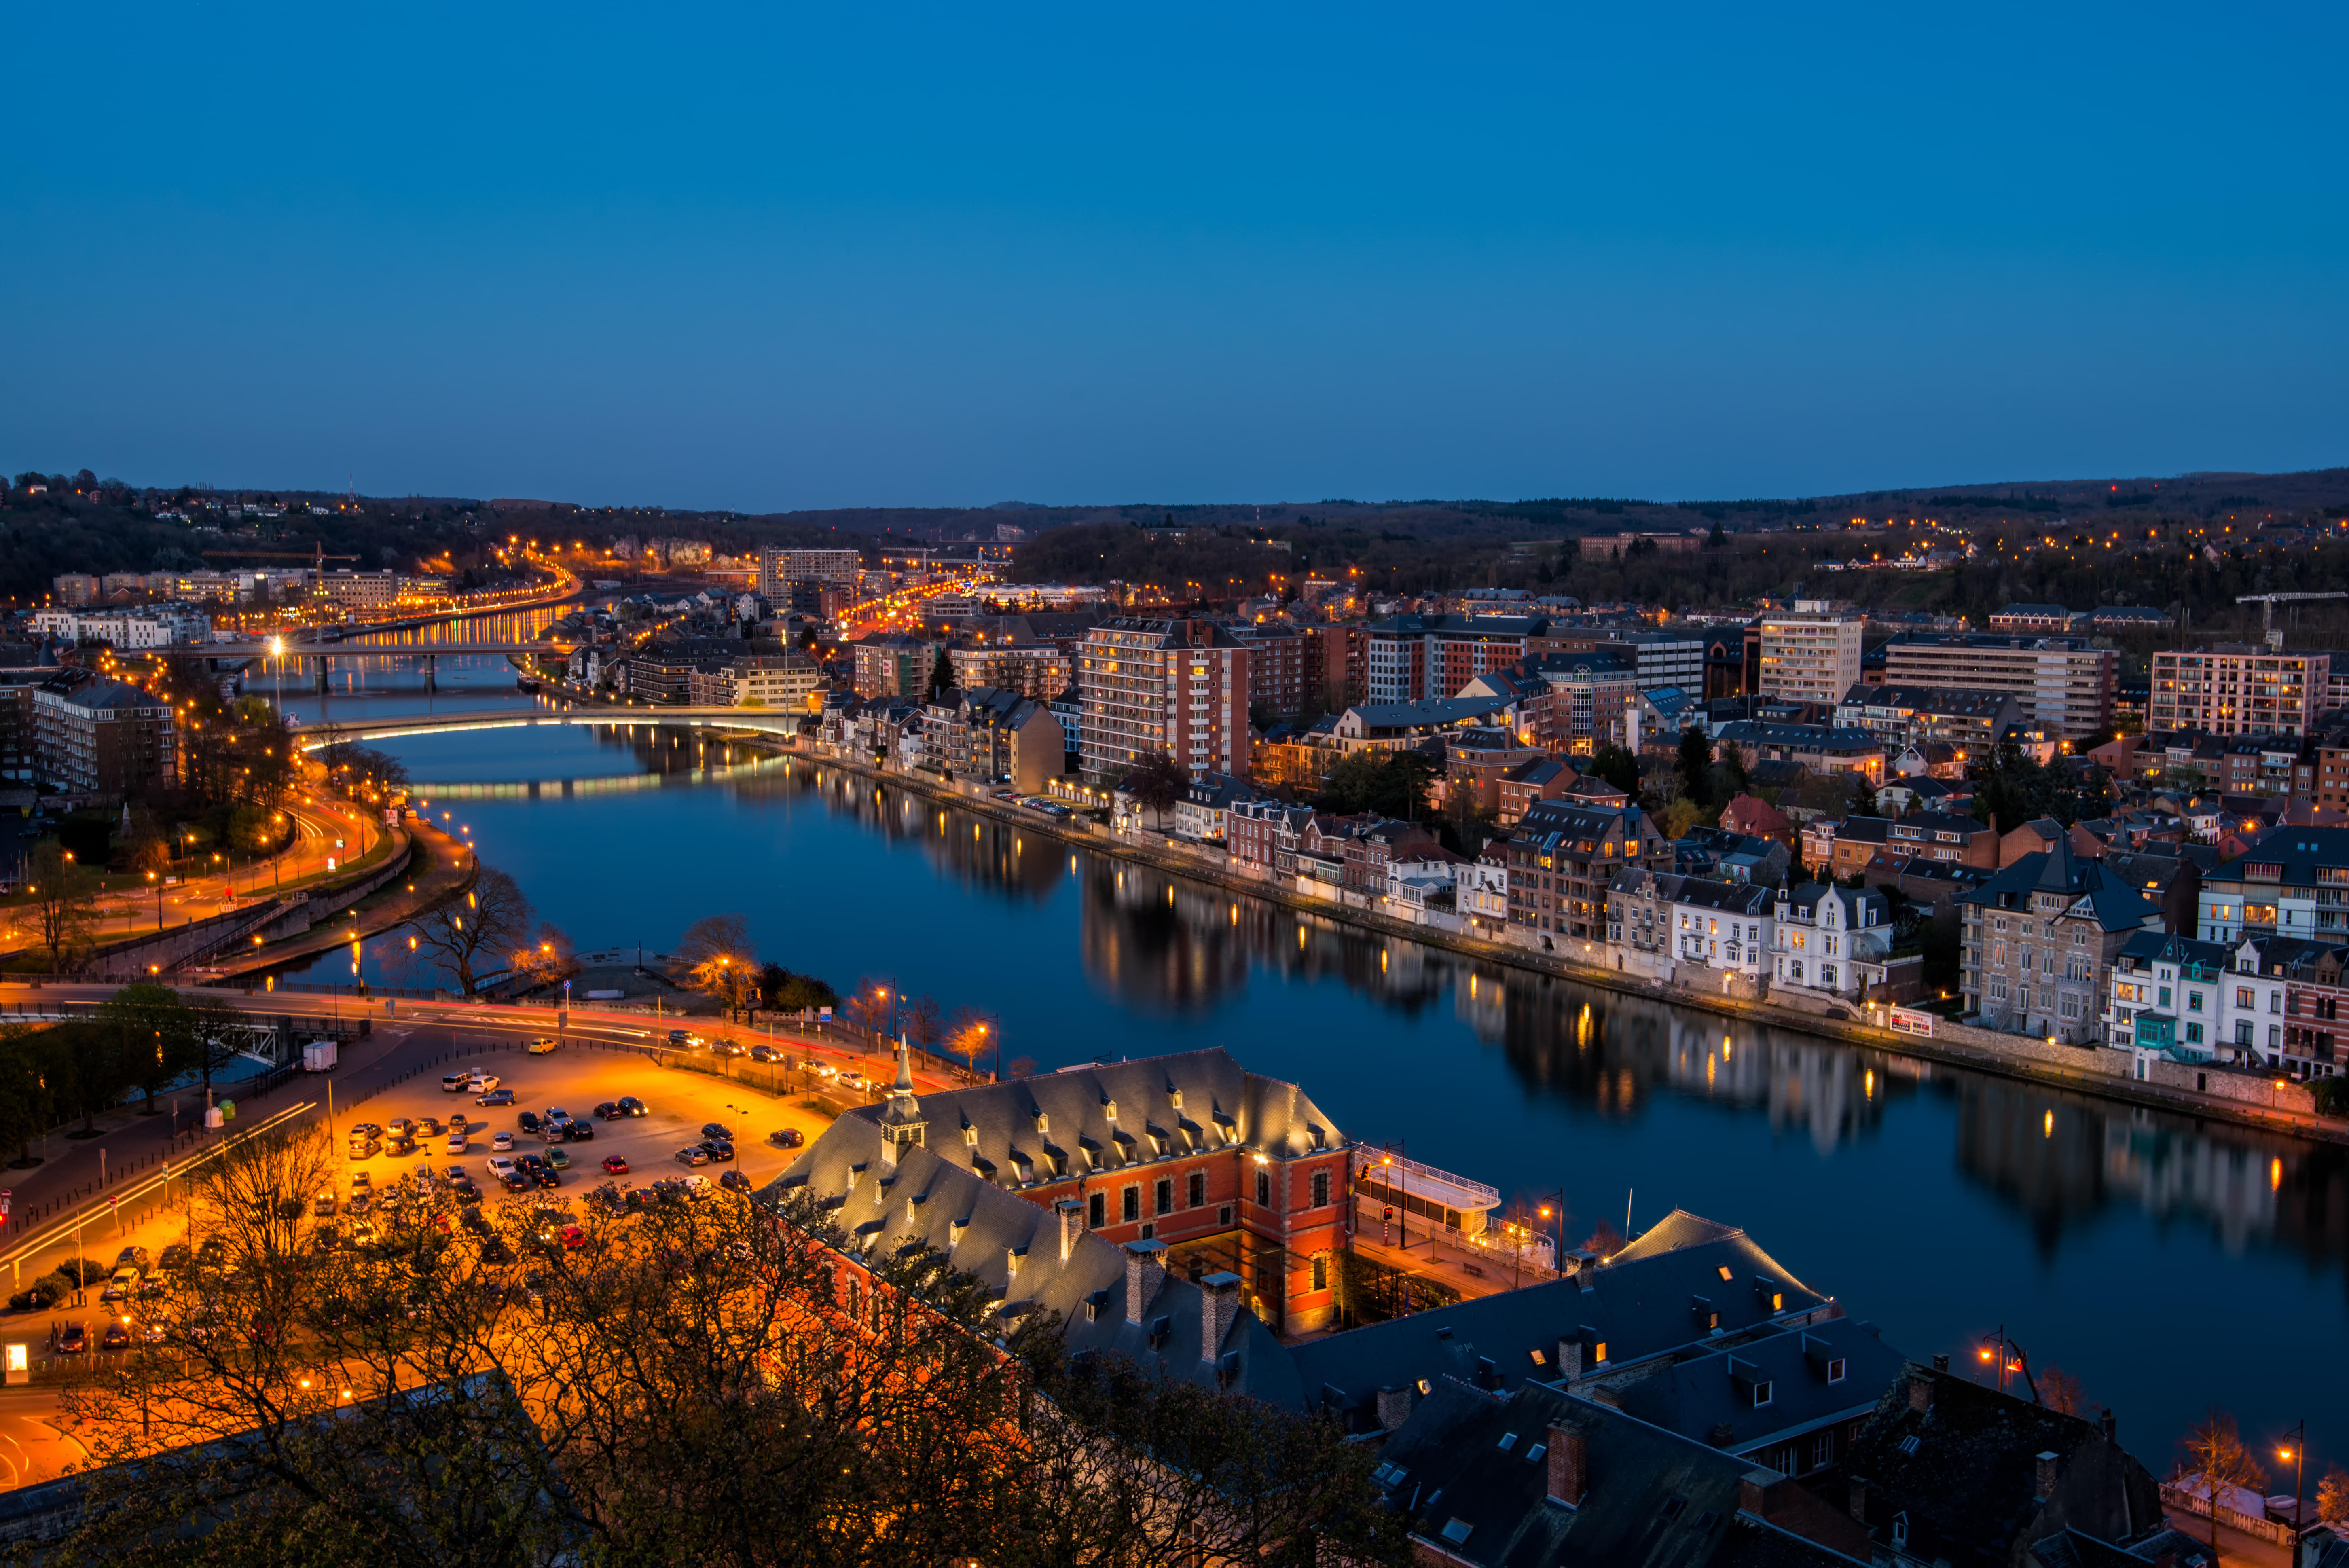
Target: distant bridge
[(771, 721)]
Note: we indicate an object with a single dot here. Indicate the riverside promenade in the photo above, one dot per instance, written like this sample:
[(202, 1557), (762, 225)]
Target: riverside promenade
[(2067, 1067)]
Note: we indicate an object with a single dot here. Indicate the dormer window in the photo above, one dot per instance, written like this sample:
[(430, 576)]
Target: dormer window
[(1108, 1109), (1043, 1123), (970, 1135), (1173, 1097)]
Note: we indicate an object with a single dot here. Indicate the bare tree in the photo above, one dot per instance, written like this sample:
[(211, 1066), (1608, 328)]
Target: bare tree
[(923, 1022), (2216, 1453), (2333, 1496), (467, 937), (62, 896), (719, 955), (970, 1034), (2061, 1392), (1156, 782)]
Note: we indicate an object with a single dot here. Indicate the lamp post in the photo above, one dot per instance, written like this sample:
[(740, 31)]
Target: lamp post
[(2298, 1454)]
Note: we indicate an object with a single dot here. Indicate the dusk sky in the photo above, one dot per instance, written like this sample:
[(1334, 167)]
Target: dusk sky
[(775, 257)]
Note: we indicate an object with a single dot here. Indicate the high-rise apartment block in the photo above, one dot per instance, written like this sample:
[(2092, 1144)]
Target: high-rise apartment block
[(1175, 687), (106, 742), (2239, 689), (780, 568), (1809, 658), (2063, 682), (1415, 658)]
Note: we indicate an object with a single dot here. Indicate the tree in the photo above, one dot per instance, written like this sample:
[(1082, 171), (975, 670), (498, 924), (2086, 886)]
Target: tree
[(2333, 1496), (154, 1034), (86, 1066), (923, 1023), (464, 937), (2061, 1392), (1682, 817), (62, 896), (1619, 768), (1716, 540), (698, 1382), (1156, 782), (942, 676), (2011, 788), (1388, 783), (2215, 1452), (720, 957), (1695, 765), (25, 1102), (971, 1035), (215, 1027)]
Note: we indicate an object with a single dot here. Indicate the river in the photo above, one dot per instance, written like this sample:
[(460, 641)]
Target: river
[(2168, 1263)]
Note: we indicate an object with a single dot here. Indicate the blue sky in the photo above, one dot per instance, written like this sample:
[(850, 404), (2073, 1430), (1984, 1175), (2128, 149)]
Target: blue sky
[(781, 257)]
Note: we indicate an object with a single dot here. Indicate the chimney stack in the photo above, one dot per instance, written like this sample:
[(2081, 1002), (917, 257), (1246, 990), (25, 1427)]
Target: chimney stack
[(1569, 1358), (1072, 1224), (1921, 1391), (2048, 1465), (1757, 1492), (1394, 1407), (1220, 1302), (1570, 1466), (1145, 1267)]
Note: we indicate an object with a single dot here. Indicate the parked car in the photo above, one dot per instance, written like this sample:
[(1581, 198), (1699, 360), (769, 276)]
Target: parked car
[(579, 1132), (502, 1141), (121, 1283), (399, 1147), (454, 1174), (175, 1256), (499, 1164), (323, 1206), (515, 1181), (73, 1339), (484, 1082), (787, 1138), (609, 1110), (694, 1155), (528, 1121), (456, 1083), (496, 1097), (466, 1191), (715, 1129), (735, 1182), (631, 1106), (455, 1144), (400, 1126), (556, 1116), (615, 1165), (116, 1338), (573, 1236), (718, 1148), (558, 1160), (429, 1126)]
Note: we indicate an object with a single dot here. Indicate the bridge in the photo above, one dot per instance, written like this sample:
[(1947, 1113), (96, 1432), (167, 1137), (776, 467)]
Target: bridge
[(323, 654), (771, 721)]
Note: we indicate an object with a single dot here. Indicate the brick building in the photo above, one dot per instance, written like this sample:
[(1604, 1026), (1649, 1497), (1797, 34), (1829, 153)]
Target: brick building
[(107, 742), (1174, 688), (1562, 858)]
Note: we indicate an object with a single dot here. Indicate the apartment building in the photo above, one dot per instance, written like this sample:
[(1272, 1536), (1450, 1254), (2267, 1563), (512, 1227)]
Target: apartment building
[(1661, 922), (2237, 689), (107, 742), (1970, 721), (156, 626), (352, 590), (1594, 701), (2294, 882), (2063, 682), (2312, 1042), (1280, 668), (1809, 658), (781, 570), (1667, 659), (2038, 941), (892, 664), (2172, 995), (75, 589), (1562, 858), (1042, 670), (1414, 657), (1173, 687), (786, 681)]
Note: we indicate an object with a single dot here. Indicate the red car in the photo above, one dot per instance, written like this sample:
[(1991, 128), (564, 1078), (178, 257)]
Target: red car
[(572, 1236), (615, 1165)]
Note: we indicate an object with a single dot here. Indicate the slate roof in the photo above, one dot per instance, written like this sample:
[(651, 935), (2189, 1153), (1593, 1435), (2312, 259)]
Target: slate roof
[(1710, 1398), (1112, 1116), (1470, 1472), (2296, 852), (1965, 1470), (1013, 1246), (1642, 1302), (2116, 905)]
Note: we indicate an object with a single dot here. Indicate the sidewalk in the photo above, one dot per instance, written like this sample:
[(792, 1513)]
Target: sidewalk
[(447, 869)]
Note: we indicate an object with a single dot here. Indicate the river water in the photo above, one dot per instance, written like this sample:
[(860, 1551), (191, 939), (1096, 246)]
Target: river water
[(2169, 1264)]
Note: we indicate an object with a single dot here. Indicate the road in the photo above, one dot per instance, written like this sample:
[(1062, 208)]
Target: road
[(329, 834), (34, 1446)]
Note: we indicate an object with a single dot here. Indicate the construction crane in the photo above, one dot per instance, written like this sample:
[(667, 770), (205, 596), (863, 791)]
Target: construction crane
[(318, 557), (2268, 602)]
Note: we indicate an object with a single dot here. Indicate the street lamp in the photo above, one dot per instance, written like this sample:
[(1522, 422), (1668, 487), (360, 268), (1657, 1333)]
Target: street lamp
[(2297, 1454)]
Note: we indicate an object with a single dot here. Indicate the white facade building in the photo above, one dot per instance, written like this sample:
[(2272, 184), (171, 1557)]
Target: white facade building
[(1829, 939)]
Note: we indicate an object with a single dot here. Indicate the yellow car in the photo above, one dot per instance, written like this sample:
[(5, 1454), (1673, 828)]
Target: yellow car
[(543, 1046)]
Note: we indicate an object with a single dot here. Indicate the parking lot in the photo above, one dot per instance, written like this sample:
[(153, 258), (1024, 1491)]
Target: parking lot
[(576, 1079)]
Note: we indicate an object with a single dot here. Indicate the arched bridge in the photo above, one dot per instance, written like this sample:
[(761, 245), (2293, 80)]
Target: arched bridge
[(771, 721)]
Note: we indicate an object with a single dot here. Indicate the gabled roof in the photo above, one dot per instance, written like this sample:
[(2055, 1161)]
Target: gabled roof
[(2296, 853), (1827, 1372), (1639, 1306), (929, 1199), (1470, 1473), (2116, 905)]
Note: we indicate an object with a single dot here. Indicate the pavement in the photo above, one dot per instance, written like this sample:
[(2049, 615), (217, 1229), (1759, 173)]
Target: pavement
[(2236, 1550)]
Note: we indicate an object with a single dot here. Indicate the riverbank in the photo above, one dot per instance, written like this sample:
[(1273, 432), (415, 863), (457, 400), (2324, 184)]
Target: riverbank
[(437, 868), (2027, 1060)]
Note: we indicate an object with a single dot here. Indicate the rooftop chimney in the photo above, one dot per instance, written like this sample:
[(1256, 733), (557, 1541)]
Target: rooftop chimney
[(2047, 1467), (1394, 1407), (1920, 1392), (1072, 1224), (1145, 1265), (1570, 1466), (1757, 1492), (1220, 1302)]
